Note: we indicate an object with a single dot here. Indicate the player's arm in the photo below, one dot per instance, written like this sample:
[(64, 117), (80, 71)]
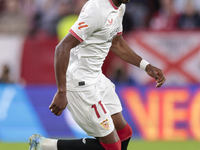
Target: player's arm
[(122, 49), (61, 60)]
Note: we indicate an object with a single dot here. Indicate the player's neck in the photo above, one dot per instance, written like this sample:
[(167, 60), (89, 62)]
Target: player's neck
[(116, 2)]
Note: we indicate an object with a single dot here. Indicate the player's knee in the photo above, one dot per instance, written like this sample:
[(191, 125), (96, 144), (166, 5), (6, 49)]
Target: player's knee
[(112, 146), (125, 133)]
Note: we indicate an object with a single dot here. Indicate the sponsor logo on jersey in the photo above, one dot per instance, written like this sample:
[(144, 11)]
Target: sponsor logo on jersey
[(82, 25), (105, 124)]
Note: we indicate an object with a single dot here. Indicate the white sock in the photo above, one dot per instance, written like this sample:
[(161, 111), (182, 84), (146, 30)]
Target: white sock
[(49, 144)]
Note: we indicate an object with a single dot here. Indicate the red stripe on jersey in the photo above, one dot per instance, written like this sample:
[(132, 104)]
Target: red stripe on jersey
[(119, 33), (75, 35), (111, 2)]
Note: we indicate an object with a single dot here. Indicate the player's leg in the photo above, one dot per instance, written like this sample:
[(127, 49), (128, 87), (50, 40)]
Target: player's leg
[(38, 142), (109, 142), (113, 104), (123, 129)]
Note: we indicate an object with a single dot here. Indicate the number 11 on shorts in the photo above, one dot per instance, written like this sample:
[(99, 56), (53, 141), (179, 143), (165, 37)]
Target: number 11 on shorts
[(96, 111)]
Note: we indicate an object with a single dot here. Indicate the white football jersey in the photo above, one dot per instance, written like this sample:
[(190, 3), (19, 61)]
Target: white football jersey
[(98, 22)]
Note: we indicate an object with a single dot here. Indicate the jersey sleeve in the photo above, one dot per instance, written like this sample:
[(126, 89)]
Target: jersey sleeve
[(86, 24), (121, 15)]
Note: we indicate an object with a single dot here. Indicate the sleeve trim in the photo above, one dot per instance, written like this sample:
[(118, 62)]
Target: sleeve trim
[(119, 33), (75, 35)]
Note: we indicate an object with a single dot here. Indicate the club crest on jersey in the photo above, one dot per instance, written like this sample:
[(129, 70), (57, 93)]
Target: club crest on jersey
[(82, 25), (105, 124)]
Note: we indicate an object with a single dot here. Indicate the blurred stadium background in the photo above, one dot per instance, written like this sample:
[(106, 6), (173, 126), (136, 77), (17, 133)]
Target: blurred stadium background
[(164, 32)]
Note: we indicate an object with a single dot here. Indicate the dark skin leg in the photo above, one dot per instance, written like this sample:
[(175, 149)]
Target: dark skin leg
[(119, 123)]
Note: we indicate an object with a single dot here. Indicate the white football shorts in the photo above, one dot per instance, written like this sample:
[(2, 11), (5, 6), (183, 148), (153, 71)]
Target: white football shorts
[(93, 107)]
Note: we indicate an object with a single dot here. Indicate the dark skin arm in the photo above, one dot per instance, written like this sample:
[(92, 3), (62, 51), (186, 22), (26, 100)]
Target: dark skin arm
[(121, 48), (61, 61)]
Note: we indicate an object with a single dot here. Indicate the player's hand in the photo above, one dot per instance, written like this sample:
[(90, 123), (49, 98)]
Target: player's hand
[(156, 74), (59, 103)]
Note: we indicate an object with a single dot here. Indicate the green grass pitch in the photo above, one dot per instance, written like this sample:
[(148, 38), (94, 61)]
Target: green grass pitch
[(134, 145)]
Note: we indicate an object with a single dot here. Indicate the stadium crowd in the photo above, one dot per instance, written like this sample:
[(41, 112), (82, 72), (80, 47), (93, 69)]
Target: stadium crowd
[(33, 16), (163, 14)]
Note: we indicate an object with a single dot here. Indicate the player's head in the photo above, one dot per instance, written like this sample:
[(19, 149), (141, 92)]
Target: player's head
[(123, 1)]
